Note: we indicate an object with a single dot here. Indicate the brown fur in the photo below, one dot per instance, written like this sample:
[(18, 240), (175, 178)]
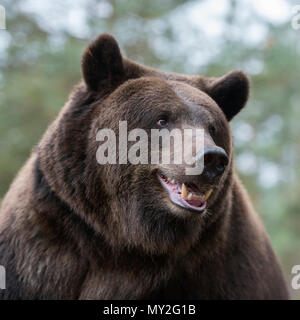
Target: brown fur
[(72, 229)]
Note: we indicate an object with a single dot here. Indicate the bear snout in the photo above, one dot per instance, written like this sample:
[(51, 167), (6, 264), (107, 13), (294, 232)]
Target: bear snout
[(214, 161)]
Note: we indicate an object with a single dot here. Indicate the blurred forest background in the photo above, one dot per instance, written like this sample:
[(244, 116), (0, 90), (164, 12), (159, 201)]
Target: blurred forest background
[(40, 63)]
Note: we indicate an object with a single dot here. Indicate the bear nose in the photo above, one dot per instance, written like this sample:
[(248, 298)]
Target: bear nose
[(215, 160)]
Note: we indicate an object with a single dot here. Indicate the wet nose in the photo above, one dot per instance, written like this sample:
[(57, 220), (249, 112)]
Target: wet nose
[(215, 160)]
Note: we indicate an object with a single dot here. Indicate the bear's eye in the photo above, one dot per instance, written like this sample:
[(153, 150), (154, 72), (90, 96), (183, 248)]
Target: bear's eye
[(162, 122)]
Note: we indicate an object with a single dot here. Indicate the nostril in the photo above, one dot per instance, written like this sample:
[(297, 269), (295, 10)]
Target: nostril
[(208, 158), (221, 163)]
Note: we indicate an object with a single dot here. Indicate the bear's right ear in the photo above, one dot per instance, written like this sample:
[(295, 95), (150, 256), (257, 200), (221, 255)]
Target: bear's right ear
[(102, 63), (230, 91)]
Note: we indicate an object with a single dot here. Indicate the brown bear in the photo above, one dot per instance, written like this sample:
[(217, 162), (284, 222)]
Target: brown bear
[(71, 228)]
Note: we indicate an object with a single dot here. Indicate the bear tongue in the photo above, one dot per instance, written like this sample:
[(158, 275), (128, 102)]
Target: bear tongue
[(195, 202), (191, 198)]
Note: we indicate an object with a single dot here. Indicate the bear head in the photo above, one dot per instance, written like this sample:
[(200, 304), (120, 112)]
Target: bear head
[(156, 207)]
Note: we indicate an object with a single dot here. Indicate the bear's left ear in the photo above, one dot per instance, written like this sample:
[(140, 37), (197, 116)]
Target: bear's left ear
[(102, 63), (230, 92)]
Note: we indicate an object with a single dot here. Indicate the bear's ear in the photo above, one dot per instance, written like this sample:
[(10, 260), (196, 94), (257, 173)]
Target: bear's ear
[(230, 92), (102, 63)]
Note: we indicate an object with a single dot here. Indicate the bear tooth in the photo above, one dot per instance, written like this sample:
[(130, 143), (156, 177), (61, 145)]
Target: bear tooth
[(196, 196), (208, 193), (172, 181), (184, 192), (190, 196)]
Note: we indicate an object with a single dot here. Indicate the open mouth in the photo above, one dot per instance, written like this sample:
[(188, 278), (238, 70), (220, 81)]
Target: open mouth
[(186, 195)]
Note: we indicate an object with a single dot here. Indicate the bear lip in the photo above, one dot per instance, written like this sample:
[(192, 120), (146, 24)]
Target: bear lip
[(186, 195)]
